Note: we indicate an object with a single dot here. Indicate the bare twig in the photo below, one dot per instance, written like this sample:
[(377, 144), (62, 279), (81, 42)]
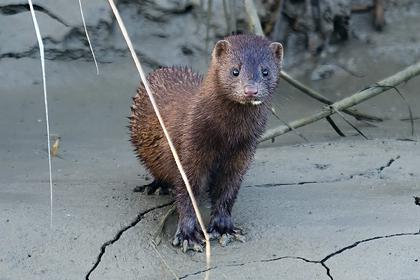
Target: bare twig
[(285, 123), (352, 100), (44, 84), (349, 123), (165, 131), (410, 112), (334, 126), (318, 96)]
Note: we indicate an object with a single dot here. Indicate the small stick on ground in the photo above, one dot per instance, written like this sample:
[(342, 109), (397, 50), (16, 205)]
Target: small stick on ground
[(350, 101), (273, 111), (334, 126), (349, 123), (318, 96)]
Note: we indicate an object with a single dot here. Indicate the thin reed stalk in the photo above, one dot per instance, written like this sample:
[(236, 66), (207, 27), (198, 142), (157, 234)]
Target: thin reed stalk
[(47, 121), (165, 131)]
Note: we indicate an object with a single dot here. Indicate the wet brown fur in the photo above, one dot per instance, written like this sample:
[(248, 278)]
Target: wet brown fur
[(215, 136)]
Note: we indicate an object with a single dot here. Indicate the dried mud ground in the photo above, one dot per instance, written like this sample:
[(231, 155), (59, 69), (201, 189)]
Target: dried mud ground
[(334, 208)]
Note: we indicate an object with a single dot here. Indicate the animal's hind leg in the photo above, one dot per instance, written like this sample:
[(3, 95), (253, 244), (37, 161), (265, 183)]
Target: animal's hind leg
[(156, 187)]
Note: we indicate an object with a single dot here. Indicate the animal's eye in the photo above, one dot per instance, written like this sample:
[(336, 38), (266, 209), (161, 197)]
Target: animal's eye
[(235, 72), (264, 72)]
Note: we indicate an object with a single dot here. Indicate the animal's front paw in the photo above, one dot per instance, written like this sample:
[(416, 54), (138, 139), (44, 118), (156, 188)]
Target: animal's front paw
[(155, 187), (222, 228), (192, 241)]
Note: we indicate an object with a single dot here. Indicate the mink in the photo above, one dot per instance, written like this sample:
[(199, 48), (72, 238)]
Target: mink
[(215, 123)]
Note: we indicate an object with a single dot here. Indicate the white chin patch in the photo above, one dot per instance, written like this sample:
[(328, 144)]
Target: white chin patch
[(256, 102)]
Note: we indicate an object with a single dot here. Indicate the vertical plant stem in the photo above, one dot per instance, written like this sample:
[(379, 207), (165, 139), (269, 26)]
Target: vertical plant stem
[(44, 84), (165, 131)]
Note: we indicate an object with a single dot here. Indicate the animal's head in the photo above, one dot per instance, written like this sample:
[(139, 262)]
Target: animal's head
[(247, 67)]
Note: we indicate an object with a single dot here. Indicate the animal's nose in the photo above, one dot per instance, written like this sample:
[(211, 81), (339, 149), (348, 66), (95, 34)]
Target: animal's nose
[(251, 90)]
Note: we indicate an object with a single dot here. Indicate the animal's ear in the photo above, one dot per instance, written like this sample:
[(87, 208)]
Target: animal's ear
[(277, 50), (220, 48)]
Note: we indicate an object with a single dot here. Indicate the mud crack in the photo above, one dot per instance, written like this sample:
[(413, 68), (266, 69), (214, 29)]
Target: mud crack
[(390, 162), (321, 262), (197, 272), (368, 173), (357, 243), (118, 235)]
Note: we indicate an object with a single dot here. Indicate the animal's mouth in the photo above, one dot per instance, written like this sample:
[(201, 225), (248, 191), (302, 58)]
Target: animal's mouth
[(245, 100)]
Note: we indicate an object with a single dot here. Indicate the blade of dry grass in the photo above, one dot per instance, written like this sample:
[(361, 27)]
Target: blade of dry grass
[(44, 84), (410, 111), (87, 37), (165, 131)]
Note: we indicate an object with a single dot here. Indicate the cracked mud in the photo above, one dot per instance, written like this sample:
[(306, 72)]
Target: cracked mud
[(368, 173), (321, 262), (120, 233)]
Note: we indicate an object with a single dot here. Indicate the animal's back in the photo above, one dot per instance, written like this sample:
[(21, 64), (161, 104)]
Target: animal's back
[(173, 88)]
